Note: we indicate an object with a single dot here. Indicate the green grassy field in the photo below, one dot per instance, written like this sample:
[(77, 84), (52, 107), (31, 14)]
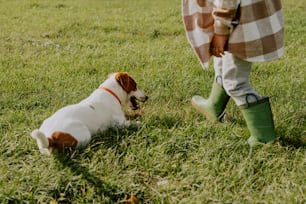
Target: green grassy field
[(54, 53)]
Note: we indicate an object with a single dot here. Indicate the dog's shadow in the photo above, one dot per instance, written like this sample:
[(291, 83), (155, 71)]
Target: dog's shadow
[(72, 159), (112, 138)]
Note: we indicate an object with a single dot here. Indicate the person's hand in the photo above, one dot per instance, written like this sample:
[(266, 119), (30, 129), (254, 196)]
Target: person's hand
[(219, 45)]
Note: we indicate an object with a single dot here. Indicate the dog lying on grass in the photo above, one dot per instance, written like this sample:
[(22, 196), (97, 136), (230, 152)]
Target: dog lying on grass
[(74, 125)]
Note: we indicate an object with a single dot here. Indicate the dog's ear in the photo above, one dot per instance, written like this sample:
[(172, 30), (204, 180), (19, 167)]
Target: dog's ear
[(126, 81)]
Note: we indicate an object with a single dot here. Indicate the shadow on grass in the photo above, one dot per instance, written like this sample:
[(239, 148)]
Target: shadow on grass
[(292, 136), (289, 134), (72, 159), (101, 188)]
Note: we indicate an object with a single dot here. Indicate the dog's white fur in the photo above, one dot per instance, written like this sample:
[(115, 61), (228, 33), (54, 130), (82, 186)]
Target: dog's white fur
[(101, 110)]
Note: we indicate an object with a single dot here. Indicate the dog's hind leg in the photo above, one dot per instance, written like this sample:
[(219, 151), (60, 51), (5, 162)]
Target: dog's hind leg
[(62, 140), (41, 140)]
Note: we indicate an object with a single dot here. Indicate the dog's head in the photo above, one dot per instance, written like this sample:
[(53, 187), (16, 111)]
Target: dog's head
[(129, 85)]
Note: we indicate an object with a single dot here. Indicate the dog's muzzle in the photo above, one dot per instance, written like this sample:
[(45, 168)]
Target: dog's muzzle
[(134, 101)]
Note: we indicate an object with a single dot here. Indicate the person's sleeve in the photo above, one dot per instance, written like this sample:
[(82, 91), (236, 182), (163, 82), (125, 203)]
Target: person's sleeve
[(224, 12)]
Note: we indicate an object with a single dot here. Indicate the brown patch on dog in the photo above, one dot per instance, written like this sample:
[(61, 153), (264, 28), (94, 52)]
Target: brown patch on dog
[(61, 141), (126, 82)]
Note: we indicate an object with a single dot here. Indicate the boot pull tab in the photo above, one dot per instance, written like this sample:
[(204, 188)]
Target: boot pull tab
[(218, 80), (249, 98)]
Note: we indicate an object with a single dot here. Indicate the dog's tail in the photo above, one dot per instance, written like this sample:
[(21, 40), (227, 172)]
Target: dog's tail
[(42, 141)]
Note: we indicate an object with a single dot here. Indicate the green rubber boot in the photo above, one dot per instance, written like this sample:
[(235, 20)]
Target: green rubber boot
[(213, 107), (259, 119)]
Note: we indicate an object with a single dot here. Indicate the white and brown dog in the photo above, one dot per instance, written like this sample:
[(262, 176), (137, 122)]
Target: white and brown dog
[(74, 125)]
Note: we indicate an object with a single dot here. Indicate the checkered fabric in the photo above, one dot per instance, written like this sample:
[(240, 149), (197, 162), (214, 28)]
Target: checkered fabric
[(256, 27)]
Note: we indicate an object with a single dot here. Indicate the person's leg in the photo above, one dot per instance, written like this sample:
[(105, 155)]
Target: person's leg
[(236, 79), (256, 109), (213, 107)]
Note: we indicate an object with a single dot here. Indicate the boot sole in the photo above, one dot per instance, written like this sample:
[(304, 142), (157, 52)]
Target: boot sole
[(207, 114)]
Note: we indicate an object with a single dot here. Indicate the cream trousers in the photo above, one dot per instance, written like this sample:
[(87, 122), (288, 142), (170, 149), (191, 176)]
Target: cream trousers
[(233, 74)]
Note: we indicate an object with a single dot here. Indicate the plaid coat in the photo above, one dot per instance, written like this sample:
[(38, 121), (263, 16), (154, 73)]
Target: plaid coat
[(255, 27)]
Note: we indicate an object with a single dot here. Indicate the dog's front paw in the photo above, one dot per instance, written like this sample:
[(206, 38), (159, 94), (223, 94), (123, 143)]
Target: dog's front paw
[(135, 124), (129, 124)]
